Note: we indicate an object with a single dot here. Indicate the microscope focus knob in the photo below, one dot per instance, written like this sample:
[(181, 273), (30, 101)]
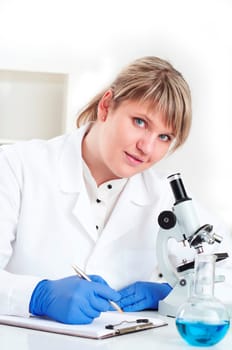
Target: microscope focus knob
[(167, 219)]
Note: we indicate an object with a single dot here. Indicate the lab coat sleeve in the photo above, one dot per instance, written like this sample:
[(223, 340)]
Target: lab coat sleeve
[(15, 290), (15, 293)]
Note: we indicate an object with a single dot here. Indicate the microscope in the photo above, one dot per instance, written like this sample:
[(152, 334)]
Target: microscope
[(181, 223)]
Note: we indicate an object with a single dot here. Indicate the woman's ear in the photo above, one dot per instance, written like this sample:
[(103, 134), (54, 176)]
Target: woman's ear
[(104, 104)]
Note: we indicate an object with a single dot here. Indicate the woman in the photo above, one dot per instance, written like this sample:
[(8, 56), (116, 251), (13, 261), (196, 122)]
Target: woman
[(92, 198)]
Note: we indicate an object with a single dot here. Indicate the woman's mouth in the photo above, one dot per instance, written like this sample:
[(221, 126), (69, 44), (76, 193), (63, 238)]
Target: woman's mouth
[(133, 160)]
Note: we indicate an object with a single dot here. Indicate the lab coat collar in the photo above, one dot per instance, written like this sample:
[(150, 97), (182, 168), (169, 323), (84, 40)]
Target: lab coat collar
[(144, 188), (70, 162), (71, 179)]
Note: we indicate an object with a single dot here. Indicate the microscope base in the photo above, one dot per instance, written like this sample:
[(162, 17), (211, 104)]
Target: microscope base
[(170, 305)]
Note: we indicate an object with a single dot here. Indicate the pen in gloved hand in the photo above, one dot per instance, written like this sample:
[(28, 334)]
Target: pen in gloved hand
[(83, 275)]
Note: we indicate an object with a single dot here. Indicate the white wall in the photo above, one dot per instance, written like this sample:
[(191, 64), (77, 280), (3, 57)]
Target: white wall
[(32, 105), (91, 39)]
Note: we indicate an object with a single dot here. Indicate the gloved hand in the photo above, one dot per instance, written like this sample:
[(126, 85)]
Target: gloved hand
[(72, 300), (143, 295)]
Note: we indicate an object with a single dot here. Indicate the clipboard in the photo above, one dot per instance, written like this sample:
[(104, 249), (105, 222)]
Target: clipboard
[(109, 324)]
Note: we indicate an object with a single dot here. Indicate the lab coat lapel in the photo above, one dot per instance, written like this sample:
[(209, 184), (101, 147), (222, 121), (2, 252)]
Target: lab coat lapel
[(127, 213), (82, 212), (71, 180)]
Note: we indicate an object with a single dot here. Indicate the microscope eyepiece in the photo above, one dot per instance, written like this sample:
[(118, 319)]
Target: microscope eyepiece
[(178, 188)]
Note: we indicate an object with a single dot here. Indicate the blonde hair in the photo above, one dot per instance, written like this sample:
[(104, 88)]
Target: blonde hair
[(154, 80)]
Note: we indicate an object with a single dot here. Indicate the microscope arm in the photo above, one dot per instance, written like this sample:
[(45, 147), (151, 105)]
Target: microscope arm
[(165, 266)]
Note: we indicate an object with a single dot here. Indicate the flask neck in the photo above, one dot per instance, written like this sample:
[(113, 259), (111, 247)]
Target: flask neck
[(204, 275)]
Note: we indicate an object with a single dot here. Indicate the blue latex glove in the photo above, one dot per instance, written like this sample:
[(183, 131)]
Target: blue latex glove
[(143, 295), (72, 300)]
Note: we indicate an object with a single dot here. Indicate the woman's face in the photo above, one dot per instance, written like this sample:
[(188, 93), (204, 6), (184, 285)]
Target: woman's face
[(130, 138)]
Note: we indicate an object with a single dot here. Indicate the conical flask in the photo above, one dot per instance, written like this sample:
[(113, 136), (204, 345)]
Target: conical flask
[(203, 320)]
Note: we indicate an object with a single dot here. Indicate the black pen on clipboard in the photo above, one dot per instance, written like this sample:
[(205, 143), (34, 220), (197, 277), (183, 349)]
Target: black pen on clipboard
[(83, 275)]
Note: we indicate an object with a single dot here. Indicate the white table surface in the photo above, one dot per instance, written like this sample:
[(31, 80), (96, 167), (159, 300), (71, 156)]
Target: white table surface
[(167, 337)]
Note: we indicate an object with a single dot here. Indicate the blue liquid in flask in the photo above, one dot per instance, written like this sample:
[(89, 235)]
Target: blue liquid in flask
[(203, 320), (202, 334)]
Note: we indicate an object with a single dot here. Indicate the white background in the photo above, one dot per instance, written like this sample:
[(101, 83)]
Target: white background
[(90, 40)]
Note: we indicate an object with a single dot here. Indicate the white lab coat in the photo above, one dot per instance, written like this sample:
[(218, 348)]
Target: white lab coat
[(46, 223)]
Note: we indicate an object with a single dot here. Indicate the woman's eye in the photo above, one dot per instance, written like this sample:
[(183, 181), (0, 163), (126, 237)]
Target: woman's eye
[(140, 122), (164, 137)]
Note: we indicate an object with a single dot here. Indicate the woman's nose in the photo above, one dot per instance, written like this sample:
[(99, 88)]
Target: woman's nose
[(147, 144)]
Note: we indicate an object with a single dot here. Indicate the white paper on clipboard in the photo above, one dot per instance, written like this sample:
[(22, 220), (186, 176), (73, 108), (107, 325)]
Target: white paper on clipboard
[(109, 324)]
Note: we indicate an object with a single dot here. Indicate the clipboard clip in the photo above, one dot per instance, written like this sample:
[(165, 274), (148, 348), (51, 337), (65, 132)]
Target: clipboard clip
[(132, 326)]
